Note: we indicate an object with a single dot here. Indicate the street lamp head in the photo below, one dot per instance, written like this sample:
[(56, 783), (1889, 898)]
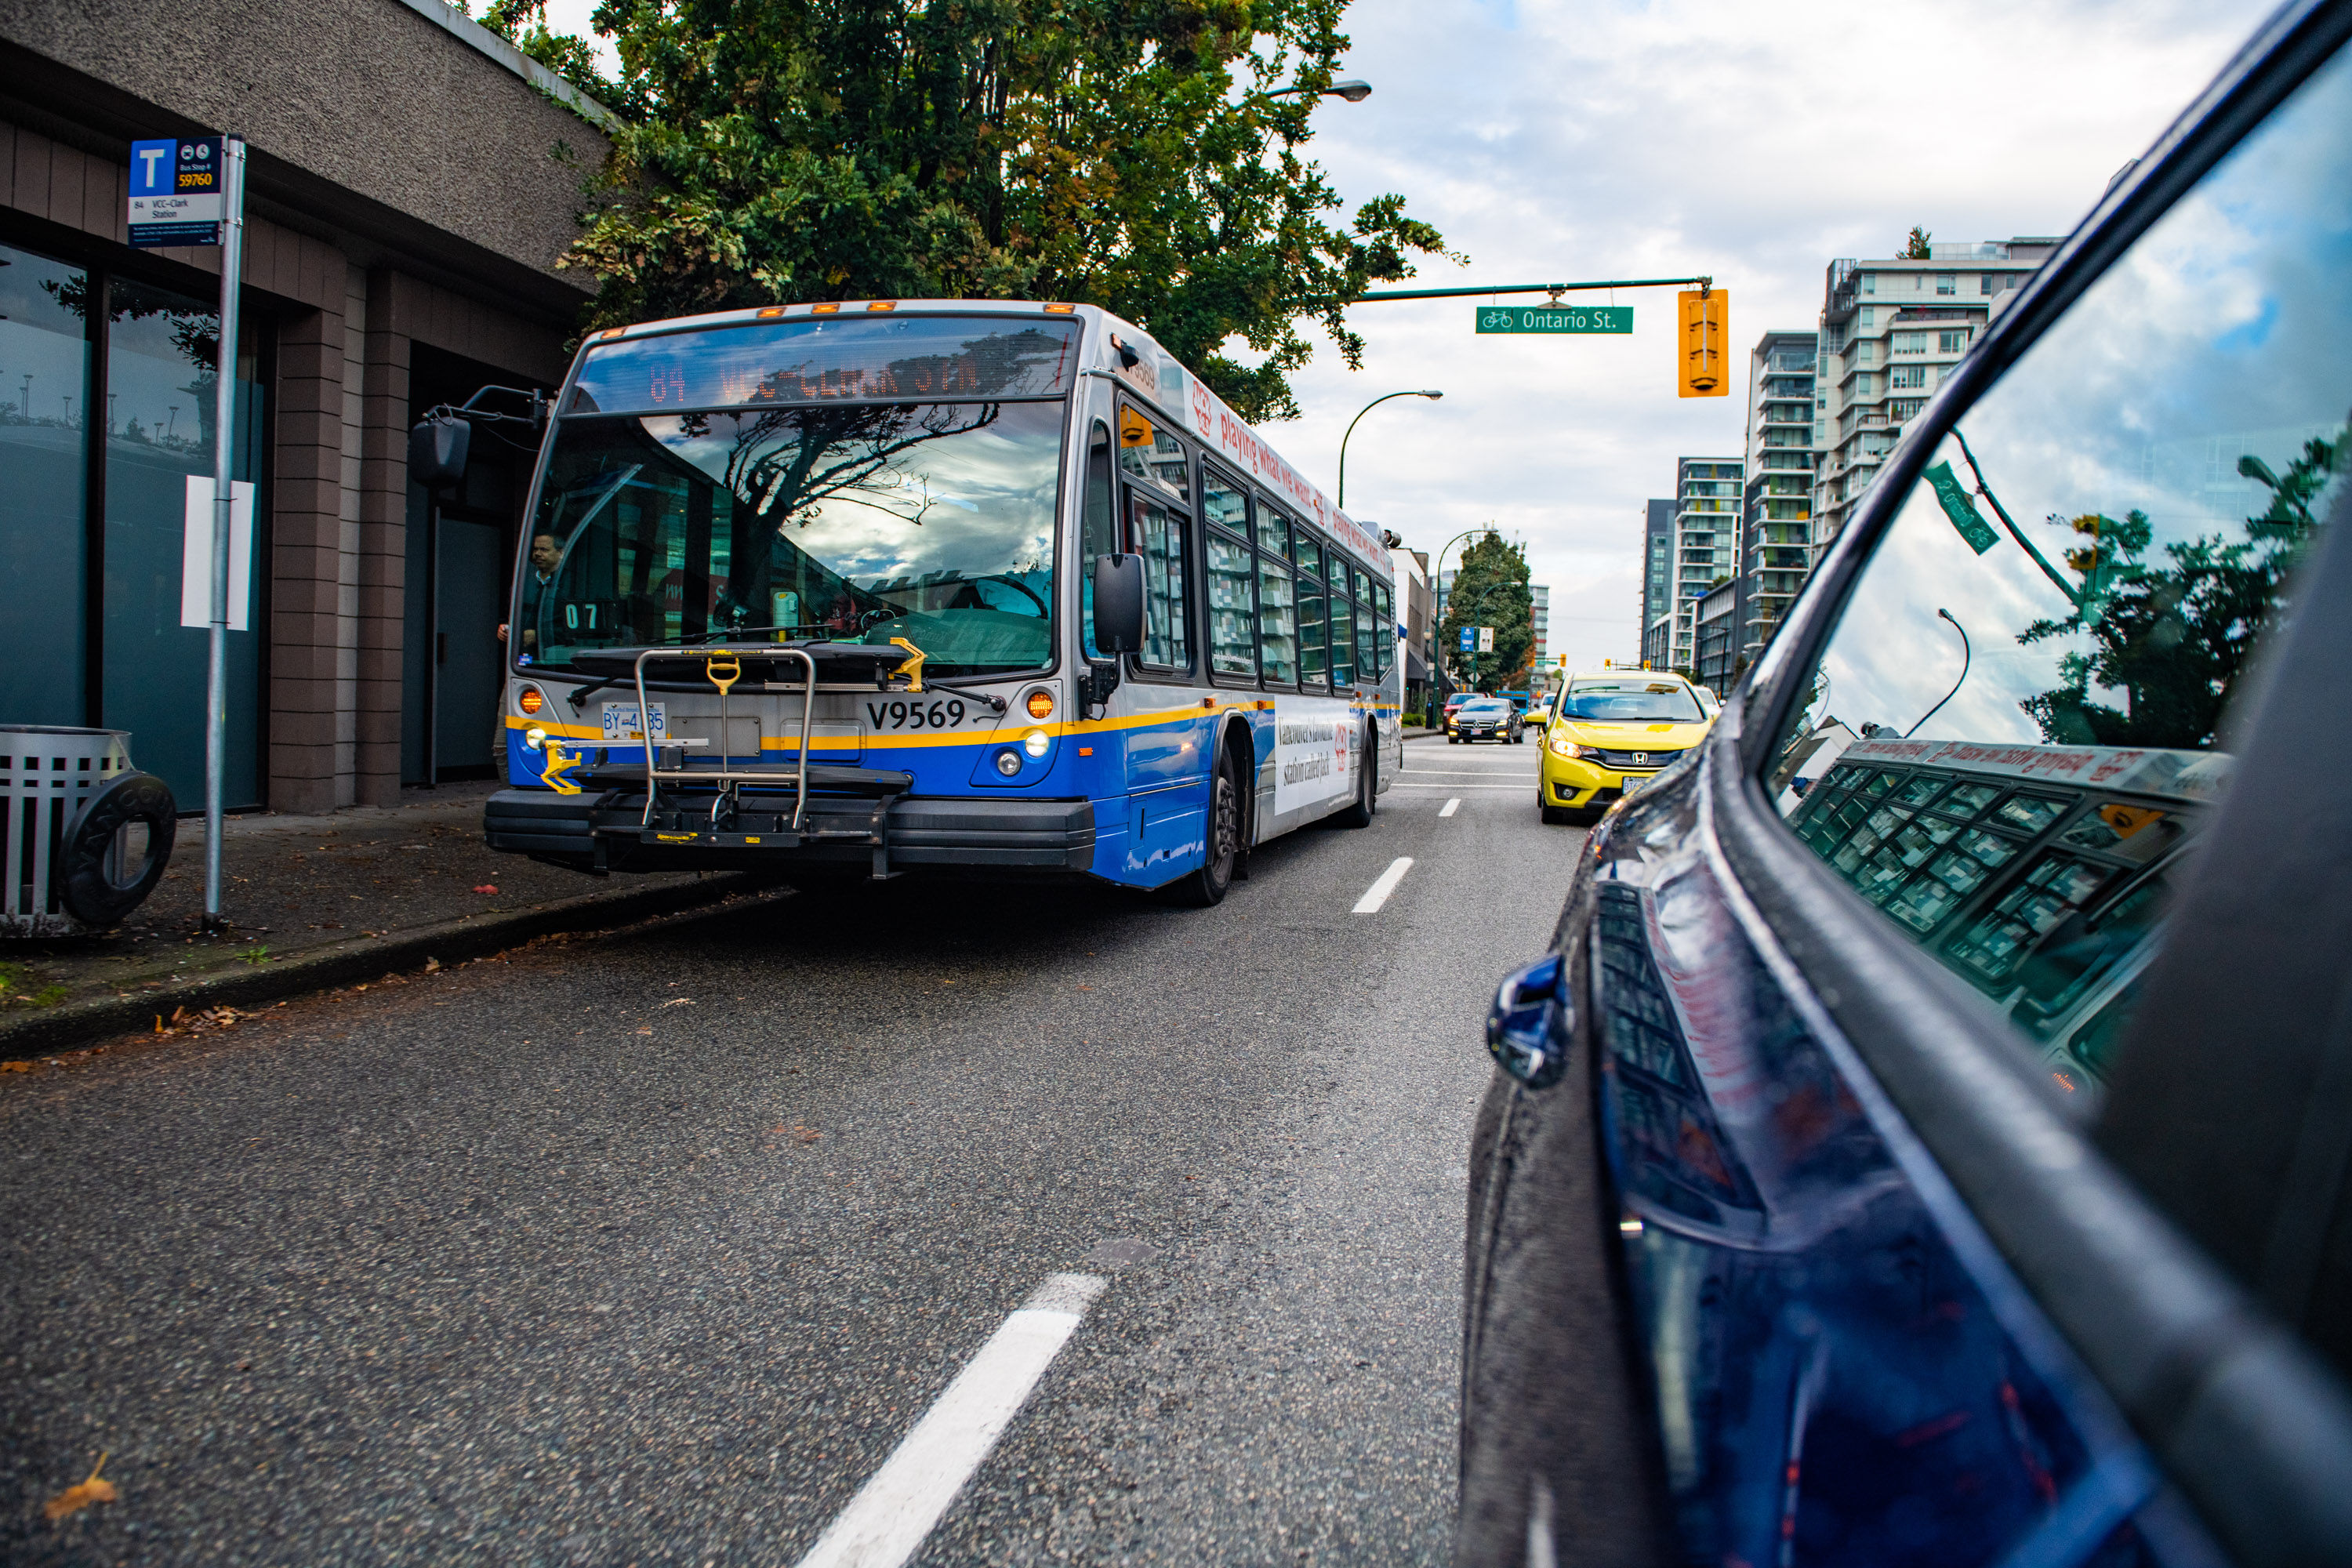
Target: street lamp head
[(1433, 397), (1352, 90)]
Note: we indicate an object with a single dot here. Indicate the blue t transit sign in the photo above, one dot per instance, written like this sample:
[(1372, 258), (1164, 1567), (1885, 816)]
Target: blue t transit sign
[(175, 190)]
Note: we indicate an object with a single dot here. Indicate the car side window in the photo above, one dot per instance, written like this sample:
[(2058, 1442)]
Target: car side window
[(2019, 723)]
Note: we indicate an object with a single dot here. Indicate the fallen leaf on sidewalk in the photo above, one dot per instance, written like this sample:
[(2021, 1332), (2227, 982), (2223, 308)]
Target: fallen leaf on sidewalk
[(486, 888), (431, 964), (805, 1134), (677, 1002), (75, 1498), (16, 1067)]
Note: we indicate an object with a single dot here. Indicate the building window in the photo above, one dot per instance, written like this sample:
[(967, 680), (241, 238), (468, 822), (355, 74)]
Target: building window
[(147, 405), (1952, 342), (1870, 282), (1910, 342), (1906, 376), (1985, 282), (1946, 283)]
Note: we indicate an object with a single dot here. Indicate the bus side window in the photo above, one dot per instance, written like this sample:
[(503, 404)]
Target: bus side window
[(1342, 619), (1098, 530), (1156, 532)]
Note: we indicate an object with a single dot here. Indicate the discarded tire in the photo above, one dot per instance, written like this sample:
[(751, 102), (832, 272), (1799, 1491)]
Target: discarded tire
[(92, 889)]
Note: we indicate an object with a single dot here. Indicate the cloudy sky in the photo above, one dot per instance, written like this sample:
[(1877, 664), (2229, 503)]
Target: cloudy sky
[(1752, 140)]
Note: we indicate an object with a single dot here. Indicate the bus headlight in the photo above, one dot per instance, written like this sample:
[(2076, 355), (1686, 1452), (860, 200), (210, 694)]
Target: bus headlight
[(1034, 742), (1008, 761), (534, 737)]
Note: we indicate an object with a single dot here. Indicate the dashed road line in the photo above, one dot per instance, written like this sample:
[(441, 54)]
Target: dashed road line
[(1451, 806), (892, 1515), (1378, 893)]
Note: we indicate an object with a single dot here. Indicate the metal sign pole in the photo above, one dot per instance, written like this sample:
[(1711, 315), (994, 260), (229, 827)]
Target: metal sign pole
[(232, 236)]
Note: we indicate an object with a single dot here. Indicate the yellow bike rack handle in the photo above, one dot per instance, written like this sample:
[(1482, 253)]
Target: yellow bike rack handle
[(913, 668), (723, 670)]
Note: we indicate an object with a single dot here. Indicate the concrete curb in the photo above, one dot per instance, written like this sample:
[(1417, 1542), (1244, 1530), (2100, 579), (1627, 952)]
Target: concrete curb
[(78, 1023)]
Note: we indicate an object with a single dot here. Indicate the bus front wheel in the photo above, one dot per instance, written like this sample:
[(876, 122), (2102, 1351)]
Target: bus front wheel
[(1199, 890)]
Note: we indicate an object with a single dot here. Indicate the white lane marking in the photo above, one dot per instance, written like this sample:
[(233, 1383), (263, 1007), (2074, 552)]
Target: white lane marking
[(1451, 806), (1378, 893), (1519, 788), (892, 1515)]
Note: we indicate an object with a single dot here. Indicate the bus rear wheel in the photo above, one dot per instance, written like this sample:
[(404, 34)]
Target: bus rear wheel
[(1201, 889), (1368, 800)]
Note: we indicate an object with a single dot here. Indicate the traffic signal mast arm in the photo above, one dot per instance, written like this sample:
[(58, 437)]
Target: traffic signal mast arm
[(1555, 290)]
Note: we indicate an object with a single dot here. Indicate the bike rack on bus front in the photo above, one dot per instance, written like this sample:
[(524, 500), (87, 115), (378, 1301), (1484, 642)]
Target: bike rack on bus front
[(723, 666)]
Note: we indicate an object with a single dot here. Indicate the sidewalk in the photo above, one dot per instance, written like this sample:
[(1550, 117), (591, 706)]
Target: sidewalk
[(315, 901)]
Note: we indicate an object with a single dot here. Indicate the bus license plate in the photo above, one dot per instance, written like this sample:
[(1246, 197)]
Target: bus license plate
[(621, 721)]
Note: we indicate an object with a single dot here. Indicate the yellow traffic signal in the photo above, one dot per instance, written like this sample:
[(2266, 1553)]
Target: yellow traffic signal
[(1702, 368)]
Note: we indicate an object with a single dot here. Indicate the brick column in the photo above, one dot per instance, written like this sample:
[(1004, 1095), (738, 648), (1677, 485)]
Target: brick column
[(382, 535), (306, 562)]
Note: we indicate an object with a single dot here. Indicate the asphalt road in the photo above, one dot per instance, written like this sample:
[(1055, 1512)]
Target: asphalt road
[(652, 1248)]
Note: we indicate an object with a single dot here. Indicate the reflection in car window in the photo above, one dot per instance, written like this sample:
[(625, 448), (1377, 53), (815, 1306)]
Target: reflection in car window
[(2017, 728)]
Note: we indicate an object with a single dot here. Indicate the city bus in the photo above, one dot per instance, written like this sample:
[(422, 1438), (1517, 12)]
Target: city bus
[(864, 588)]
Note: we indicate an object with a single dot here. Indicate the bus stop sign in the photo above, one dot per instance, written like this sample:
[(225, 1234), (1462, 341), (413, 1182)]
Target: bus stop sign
[(175, 190)]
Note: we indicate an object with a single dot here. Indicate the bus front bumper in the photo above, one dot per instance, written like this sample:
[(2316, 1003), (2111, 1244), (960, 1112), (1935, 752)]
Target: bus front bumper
[(606, 831)]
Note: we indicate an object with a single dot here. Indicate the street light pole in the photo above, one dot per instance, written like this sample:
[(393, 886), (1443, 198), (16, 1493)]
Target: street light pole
[(1367, 408), (1437, 577), (1967, 656)]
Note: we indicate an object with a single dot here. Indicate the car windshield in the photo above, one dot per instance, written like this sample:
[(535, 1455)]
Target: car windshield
[(860, 522), (1619, 702)]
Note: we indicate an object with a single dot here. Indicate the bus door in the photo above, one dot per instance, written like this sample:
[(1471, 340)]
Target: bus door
[(1165, 753)]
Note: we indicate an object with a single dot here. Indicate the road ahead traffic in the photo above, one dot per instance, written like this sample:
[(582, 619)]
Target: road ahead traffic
[(654, 1248)]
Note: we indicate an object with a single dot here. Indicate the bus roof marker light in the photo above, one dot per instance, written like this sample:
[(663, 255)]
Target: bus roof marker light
[(1060, 310), (882, 304), (770, 312), (826, 308)]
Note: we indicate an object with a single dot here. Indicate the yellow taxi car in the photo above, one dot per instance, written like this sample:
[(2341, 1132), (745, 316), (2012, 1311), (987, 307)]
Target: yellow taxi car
[(1608, 732)]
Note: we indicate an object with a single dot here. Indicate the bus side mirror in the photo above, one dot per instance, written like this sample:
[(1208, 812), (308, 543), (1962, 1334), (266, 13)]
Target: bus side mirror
[(1118, 604), (437, 452)]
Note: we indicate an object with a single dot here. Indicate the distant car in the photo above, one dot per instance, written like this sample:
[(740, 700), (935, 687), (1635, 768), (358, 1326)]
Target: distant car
[(1949, 1164), (1484, 719), (1456, 700), (1615, 731)]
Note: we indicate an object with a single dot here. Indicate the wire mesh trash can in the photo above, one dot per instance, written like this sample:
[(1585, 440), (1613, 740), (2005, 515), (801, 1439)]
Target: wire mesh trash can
[(71, 795)]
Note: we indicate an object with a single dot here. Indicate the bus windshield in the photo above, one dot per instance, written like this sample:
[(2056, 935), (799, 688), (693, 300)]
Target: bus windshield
[(856, 522)]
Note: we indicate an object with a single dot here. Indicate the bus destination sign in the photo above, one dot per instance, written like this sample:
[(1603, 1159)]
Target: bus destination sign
[(1551, 319)]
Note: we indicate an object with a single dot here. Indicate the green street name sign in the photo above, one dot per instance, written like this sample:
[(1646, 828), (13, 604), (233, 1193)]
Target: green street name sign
[(1555, 318)]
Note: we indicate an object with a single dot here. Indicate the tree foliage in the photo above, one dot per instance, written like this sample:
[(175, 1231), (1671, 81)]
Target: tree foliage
[(1914, 246), (2175, 633), (1490, 589), (1128, 154)]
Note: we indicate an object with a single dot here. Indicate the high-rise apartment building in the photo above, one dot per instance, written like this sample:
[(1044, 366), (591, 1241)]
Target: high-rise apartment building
[(1657, 570), (1541, 594), (1783, 430), (1890, 332), (1703, 550)]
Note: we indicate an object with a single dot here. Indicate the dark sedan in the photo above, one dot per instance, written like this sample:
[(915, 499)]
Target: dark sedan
[(1484, 719), (1929, 1141)]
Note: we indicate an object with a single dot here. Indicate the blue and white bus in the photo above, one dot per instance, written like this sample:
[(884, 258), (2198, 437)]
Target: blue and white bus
[(869, 587)]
